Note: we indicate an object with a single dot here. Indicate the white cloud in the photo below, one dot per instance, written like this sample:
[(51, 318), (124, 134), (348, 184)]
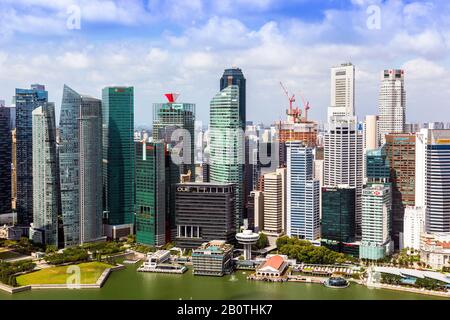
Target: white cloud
[(190, 61), (74, 60)]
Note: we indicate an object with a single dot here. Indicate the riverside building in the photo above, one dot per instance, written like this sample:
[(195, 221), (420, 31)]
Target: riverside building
[(204, 212), (214, 258)]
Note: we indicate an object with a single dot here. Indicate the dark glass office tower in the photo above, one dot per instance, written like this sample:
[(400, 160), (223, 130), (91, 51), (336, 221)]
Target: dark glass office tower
[(204, 212), (234, 76), (118, 154), (150, 193), (338, 214), (5, 160), (26, 101)]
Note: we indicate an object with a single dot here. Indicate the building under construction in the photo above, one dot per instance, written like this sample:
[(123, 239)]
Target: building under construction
[(296, 127)]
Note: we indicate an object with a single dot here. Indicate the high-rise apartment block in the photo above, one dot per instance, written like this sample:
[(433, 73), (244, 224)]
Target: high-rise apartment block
[(26, 100), (5, 160), (46, 187)]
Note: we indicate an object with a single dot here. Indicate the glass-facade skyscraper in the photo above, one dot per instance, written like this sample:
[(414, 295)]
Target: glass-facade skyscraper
[(26, 101), (227, 156), (80, 158), (234, 76), (46, 191), (303, 193), (150, 193), (5, 160), (338, 214), (168, 117), (118, 154)]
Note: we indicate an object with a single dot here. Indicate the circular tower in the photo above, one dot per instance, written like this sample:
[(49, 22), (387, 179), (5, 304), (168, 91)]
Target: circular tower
[(247, 238)]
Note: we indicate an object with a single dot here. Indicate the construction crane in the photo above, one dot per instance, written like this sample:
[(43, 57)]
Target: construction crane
[(305, 106), (293, 113)]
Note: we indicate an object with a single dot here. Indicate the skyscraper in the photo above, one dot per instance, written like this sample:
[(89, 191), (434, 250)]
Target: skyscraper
[(303, 216), (432, 178), (118, 155), (46, 191), (343, 158), (342, 91), (392, 103), (80, 158), (401, 153), (234, 76), (150, 193), (26, 101), (227, 145), (167, 118), (377, 166), (376, 223), (5, 160)]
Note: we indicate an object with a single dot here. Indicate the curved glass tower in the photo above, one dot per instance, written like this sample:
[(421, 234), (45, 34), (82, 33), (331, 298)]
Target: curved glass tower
[(80, 159)]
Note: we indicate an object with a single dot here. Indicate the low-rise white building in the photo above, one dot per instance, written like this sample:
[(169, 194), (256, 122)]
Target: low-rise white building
[(413, 227)]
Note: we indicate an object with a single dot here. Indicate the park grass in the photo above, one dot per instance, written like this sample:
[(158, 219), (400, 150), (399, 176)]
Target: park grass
[(90, 272)]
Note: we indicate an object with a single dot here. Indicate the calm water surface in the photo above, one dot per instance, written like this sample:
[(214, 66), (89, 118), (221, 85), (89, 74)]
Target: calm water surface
[(129, 284)]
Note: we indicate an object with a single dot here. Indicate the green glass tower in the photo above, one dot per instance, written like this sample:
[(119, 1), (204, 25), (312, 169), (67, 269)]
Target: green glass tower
[(227, 145), (168, 117), (118, 155), (150, 193)]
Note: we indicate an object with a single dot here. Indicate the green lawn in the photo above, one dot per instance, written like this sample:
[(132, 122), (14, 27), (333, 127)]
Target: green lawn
[(90, 272)]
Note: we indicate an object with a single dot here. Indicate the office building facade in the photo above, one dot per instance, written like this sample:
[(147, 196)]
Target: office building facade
[(432, 178), (150, 193), (401, 153), (392, 103), (303, 216), (343, 159), (204, 212), (376, 223), (338, 214), (118, 154), (413, 227), (227, 157), (342, 91), (80, 160)]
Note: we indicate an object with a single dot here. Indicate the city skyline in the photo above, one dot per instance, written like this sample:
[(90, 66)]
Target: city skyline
[(287, 42)]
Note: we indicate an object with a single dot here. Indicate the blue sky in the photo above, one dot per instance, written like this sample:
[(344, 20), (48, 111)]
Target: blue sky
[(182, 46)]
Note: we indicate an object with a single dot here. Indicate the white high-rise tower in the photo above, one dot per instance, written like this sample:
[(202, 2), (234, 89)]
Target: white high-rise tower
[(343, 158), (392, 103), (342, 91)]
